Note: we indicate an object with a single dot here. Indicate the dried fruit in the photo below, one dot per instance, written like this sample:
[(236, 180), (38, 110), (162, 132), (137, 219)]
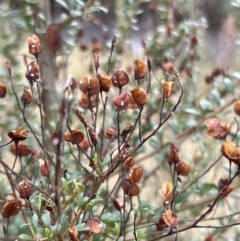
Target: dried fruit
[(237, 107), (140, 96), (120, 78), (75, 137), (89, 86), (33, 72), (94, 224), (130, 189), (20, 149), (43, 166), (166, 192), (34, 45), (170, 218), (128, 163), (25, 190), (161, 224), (19, 134), (167, 89), (89, 102), (126, 130), (182, 168), (173, 155), (231, 151), (132, 103), (118, 204), (105, 81), (217, 130), (140, 69), (121, 101), (93, 135), (111, 133), (3, 90), (11, 208), (81, 117), (136, 174), (27, 97), (84, 145)]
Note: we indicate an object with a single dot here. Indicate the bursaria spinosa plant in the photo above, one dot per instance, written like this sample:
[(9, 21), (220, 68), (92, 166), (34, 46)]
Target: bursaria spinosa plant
[(125, 148)]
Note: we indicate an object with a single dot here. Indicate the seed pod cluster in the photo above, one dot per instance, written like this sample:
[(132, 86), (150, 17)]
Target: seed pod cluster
[(181, 167), (130, 185)]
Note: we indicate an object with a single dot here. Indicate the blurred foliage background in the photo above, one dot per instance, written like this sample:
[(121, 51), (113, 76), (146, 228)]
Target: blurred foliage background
[(198, 37)]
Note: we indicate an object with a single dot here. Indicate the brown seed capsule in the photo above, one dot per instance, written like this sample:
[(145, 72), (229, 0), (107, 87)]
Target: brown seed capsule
[(84, 145), (128, 163), (136, 174), (237, 107), (121, 101), (161, 224), (182, 168), (173, 155), (94, 224), (231, 151), (11, 208), (19, 134), (132, 104), (167, 89), (93, 136), (43, 166), (27, 97), (25, 190), (89, 102), (105, 81), (3, 90), (111, 133), (130, 189), (120, 78), (89, 86), (21, 149), (118, 204), (140, 96), (126, 130), (33, 72), (34, 45), (166, 192), (226, 191), (170, 218), (81, 117), (140, 69), (209, 79), (75, 137)]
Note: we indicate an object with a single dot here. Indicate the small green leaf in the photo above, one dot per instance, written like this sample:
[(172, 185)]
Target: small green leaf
[(25, 237), (89, 207), (206, 187), (117, 228), (82, 227), (47, 232), (34, 222), (46, 220), (65, 184), (141, 233)]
